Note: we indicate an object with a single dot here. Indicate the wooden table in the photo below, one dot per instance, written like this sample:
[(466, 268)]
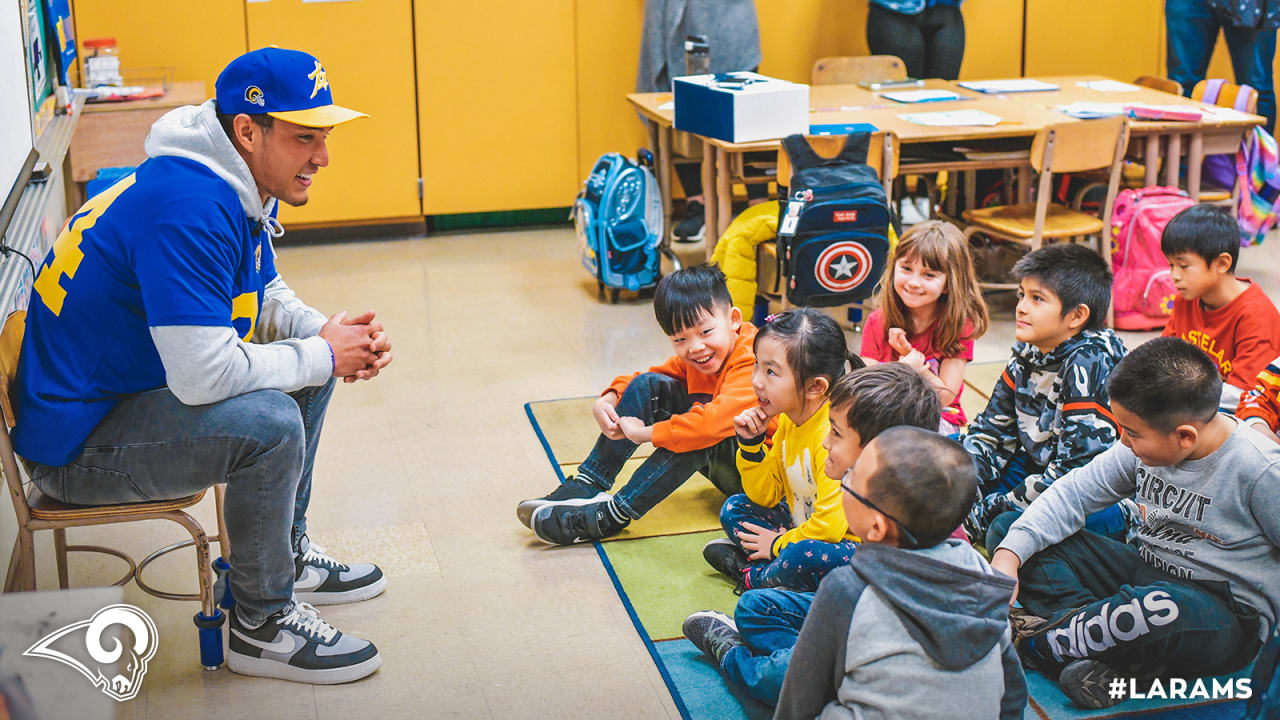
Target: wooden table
[(1023, 115), (111, 134)]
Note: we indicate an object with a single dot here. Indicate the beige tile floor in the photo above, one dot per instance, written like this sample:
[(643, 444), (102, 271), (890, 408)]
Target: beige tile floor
[(420, 471)]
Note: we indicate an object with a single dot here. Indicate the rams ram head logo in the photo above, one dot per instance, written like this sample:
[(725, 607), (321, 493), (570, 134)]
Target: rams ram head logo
[(127, 664), (253, 94)]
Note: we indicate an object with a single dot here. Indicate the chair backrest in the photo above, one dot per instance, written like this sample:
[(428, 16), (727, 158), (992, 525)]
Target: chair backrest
[(1078, 146), (882, 154), (10, 347), (1228, 95), (1159, 83), (854, 69)]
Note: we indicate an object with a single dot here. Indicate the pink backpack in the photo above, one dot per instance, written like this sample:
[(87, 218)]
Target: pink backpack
[(1143, 291)]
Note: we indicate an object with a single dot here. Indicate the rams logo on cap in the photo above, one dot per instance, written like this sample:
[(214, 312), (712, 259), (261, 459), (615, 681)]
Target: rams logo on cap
[(253, 94), (322, 80)]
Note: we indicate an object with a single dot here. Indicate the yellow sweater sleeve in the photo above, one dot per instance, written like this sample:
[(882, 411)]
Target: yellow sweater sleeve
[(761, 468)]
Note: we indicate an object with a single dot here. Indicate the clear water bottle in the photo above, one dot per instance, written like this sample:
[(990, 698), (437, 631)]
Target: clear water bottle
[(697, 55)]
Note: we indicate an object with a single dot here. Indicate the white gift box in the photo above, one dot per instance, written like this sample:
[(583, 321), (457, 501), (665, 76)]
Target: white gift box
[(740, 106)]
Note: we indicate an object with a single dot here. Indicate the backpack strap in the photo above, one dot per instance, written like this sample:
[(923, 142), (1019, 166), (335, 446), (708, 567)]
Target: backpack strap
[(800, 153), (1242, 98), (855, 149), (1212, 89)]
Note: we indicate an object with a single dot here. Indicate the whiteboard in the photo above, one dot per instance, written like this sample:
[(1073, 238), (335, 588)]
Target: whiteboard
[(16, 137)]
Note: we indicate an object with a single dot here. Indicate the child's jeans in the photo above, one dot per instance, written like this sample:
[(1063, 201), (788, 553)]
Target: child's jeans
[(653, 397), (1111, 605), (769, 621), (800, 565)]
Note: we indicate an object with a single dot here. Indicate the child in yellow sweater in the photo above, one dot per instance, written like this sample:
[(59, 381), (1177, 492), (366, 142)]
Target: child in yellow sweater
[(787, 529)]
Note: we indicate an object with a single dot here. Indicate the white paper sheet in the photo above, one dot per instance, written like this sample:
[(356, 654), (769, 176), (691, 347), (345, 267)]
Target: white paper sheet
[(919, 96), (1013, 85), (953, 118), (1108, 86)]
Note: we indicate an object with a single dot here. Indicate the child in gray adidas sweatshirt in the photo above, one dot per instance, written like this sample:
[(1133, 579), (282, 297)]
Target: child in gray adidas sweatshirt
[(917, 625), (1201, 590)]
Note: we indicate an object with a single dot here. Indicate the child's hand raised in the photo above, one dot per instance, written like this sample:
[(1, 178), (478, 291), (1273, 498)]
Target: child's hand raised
[(606, 416), (914, 360), (757, 541), (751, 424), (898, 341)]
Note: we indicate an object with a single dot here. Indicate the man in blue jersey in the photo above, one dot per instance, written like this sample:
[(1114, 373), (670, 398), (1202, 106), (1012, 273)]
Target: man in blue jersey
[(164, 354)]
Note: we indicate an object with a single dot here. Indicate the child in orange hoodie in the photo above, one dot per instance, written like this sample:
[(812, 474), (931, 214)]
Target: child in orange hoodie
[(684, 406)]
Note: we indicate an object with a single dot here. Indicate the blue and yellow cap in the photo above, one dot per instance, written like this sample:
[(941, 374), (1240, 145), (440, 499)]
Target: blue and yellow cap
[(290, 85)]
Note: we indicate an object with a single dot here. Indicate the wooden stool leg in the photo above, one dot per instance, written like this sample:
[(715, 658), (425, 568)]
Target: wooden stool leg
[(60, 552), (22, 564)]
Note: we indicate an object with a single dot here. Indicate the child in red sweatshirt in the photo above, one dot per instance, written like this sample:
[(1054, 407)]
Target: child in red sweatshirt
[(684, 406)]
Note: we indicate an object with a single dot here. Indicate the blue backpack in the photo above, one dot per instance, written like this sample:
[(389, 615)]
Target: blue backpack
[(620, 223), (833, 233)]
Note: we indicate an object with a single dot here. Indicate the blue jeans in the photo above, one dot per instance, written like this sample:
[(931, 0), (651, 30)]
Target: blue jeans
[(769, 621), (800, 565), (1192, 31), (1111, 522), (653, 397), (261, 444)]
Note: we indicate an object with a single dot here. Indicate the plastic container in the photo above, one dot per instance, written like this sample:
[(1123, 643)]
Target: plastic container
[(697, 55), (103, 66)]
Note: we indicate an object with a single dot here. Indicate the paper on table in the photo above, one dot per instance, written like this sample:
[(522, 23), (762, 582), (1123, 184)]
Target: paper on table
[(668, 105), (919, 96), (1091, 110), (953, 118), (1223, 113), (1008, 86), (1108, 86)]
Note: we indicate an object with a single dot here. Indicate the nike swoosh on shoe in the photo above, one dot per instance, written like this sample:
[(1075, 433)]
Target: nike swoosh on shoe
[(285, 643)]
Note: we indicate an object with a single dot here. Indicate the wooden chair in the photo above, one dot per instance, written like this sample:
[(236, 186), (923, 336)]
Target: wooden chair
[(1064, 147), (37, 511), (882, 155), (1236, 97), (1158, 83), (855, 69)]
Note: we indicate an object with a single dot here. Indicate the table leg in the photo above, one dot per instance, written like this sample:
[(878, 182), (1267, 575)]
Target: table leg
[(1173, 160), (1195, 156), (970, 190), (1025, 181), (1152, 160), (724, 199), (709, 200), (664, 176)]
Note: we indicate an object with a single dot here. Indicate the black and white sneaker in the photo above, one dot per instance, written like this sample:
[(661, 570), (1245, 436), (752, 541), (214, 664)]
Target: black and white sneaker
[(571, 492), (725, 556), (1088, 684), (295, 644), (714, 633), (691, 227), (563, 524), (321, 580)]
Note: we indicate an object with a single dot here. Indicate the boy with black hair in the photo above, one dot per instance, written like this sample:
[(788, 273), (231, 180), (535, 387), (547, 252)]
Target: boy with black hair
[(1048, 413), (754, 648), (1202, 592), (917, 625), (1227, 317), (684, 406)]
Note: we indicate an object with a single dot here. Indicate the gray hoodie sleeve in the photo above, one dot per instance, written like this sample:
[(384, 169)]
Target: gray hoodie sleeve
[(1014, 702), (1060, 511), (284, 316), (818, 661), (208, 364)]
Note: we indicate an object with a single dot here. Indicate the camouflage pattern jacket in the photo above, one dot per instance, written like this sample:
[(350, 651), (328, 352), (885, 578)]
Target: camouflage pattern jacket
[(1054, 407)]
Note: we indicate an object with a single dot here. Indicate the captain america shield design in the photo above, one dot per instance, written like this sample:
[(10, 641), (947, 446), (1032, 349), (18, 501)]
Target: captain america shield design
[(843, 266)]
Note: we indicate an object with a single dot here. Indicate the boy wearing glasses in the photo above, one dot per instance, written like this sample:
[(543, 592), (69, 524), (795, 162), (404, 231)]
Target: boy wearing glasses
[(754, 647), (917, 625)]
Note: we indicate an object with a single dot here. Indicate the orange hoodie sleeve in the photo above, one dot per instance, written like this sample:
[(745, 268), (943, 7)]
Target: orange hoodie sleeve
[(673, 368), (707, 424)]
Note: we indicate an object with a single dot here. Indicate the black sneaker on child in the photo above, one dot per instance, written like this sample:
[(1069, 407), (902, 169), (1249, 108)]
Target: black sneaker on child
[(564, 524), (726, 557), (691, 226), (295, 644), (320, 580), (1088, 683), (714, 633), (571, 492)]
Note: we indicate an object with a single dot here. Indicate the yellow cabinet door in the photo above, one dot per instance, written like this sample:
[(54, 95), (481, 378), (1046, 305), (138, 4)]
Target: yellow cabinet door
[(993, 39), (1117, 39), (196, 39), (367, 50), (497, 104), (608, 44)]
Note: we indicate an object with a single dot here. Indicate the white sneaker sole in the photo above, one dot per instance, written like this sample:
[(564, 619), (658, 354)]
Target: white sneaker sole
[(527, 508), (342, 598), (259, 667)]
